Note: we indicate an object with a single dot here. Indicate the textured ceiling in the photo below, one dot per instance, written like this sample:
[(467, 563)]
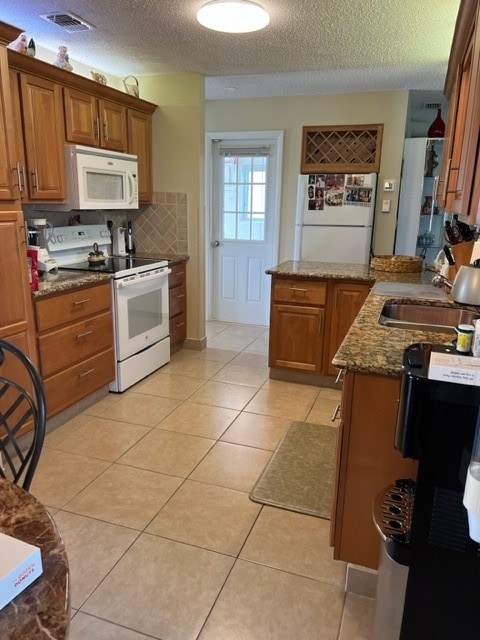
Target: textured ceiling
[(309, 47)]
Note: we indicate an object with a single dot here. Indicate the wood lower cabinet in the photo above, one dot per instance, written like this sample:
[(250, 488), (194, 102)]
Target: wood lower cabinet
[(177, 300), (94, 122), (345, 299), (367, 462), (297, 314), (75, 344), (16, 312)]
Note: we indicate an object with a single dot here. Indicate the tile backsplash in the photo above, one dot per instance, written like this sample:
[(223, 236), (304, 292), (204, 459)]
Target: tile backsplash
[(163, 225), (160, 227)]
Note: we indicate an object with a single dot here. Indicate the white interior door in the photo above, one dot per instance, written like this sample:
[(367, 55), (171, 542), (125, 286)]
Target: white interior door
[(244, 228)]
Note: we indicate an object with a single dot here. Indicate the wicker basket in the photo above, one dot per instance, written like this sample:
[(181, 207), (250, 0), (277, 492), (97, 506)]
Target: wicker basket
[(398, 264)]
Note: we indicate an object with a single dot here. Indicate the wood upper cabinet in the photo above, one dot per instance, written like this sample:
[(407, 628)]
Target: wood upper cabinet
[(140, 144), (460, 163), (297, 322), (94, 121), (8, 177), (367, 462), (345, 299), (38, 115)]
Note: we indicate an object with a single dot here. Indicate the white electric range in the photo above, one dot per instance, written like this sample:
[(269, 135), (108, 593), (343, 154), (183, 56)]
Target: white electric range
[(139, 299)]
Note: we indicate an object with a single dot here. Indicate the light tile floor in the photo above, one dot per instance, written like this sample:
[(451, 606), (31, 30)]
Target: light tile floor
[(150, 492)]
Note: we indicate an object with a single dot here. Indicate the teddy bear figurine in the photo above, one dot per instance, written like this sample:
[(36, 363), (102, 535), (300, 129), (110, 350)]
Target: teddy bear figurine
[(62, 60)]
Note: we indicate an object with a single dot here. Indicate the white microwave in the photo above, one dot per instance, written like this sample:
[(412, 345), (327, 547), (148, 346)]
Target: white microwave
[(98, 179)]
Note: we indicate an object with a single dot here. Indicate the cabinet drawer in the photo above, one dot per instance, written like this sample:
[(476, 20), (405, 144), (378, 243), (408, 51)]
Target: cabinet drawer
[(63, 347), (71, 385), (299, 291), (178, 274), (176, 300), (178, 329), (69, 307)]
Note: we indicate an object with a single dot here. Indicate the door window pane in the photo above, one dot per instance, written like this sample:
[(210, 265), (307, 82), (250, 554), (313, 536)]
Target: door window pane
[(244, 197)]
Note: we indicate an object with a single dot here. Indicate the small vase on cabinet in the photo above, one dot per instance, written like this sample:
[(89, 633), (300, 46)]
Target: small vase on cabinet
[(437, 128)]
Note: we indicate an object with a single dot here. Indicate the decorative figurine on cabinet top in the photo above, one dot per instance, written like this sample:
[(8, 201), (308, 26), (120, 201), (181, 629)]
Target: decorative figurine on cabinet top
[(62, 59), (98, 77), (31, 49), (20, 44)]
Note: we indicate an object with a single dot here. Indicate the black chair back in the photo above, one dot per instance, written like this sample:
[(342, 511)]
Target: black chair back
[(22, 416)]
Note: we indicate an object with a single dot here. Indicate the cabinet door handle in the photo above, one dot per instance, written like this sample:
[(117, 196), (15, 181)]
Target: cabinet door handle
[(84, 334), (335, 413), (35, 180), (19, 171), (86, 373), (298, 289), (180, 295), (105, 129), (180, 324), (79, 302), (340, 376), (97, 128)]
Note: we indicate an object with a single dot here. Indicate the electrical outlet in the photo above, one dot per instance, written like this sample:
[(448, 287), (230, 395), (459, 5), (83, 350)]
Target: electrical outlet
[(389, 185), (385, 206)]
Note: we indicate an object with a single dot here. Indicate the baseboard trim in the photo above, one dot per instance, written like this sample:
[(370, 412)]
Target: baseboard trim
[(195, 345), (288, 375), (361, 580)]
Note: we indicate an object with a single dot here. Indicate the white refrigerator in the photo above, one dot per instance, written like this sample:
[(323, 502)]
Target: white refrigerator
[(334, 217)]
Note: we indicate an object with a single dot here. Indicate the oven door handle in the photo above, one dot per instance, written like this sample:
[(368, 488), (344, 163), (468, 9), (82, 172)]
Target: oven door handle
[(124, 284)]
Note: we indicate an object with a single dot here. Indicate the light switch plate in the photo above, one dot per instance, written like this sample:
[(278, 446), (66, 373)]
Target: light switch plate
[(389, 185)]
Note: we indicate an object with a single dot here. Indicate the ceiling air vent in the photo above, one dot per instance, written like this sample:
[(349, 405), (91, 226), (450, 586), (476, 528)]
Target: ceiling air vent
[(68, 22), (432, 105)]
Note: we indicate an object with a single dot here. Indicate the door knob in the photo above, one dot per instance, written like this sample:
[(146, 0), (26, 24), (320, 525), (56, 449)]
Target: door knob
[(215, 243)]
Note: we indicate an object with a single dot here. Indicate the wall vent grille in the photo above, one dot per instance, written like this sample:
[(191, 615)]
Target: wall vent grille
[(68, 22), (432, 105)]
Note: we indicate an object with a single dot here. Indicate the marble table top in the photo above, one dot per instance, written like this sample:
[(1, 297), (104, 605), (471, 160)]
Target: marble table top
[(42, 610)]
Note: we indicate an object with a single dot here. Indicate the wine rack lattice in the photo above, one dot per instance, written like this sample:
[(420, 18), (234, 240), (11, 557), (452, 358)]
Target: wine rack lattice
[(342, 149)]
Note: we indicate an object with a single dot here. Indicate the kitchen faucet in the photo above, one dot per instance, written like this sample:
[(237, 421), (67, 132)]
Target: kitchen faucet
[(441, 281)]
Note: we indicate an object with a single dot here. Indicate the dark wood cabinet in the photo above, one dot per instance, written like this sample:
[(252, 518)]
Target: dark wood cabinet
[(297, 323), (38, 114), (458, 191), (367, 462), (75, 344), (177, 300), (345, 299), (94, 121)]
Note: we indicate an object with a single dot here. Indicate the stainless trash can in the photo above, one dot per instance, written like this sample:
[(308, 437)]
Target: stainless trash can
[(392, 511)]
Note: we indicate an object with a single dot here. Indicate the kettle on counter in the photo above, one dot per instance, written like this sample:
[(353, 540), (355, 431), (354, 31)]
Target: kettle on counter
[(466, 286)]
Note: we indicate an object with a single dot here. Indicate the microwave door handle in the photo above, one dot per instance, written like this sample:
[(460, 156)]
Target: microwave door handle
[(131, 182)]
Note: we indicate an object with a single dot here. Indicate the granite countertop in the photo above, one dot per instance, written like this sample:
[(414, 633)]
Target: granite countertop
[(368, 346), (42, 610), (173, 258), (65, 280)]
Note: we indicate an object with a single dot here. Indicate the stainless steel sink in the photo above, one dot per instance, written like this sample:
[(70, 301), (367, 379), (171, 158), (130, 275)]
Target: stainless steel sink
[(405, 315)]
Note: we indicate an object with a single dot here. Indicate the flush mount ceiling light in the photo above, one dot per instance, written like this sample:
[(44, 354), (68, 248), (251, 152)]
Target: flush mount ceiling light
[(233, 16)]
